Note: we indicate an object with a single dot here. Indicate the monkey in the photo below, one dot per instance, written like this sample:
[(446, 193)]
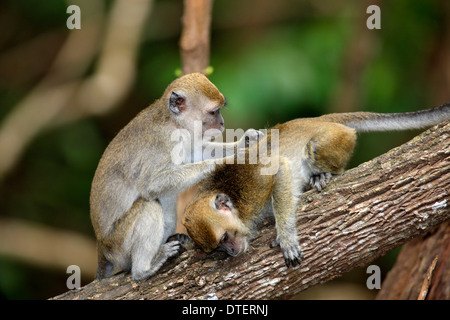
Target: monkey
[(234, 198), (137, 181)]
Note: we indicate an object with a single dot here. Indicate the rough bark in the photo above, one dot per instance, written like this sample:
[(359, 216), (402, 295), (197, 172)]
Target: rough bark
[(422, 269), (361, 215)]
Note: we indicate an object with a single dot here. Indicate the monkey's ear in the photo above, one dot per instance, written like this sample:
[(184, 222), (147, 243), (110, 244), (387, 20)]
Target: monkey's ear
[(223, 202), (177, 102)]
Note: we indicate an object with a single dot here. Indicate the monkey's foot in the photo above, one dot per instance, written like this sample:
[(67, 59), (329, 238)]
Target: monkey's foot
[(291, 252), (185, 241), (172, 248), (183, 238), (319, 181)]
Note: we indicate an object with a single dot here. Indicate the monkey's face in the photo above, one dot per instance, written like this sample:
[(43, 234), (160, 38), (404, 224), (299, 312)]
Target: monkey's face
[(212, 123), (213, 223), (195, 102)]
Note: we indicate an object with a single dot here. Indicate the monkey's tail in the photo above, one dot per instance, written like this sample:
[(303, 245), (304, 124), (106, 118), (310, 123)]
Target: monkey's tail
[(105, 269), (369, 121)]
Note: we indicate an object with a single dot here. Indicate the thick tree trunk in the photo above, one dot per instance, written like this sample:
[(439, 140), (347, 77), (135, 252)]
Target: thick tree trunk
[(361, 215), (422, 269)]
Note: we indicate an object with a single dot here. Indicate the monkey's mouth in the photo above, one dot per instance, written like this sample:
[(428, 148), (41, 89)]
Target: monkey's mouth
[(233, 253), (237, 249)]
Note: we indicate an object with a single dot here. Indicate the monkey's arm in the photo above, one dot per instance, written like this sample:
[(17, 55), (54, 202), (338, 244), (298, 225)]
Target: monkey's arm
[(176, 178), (250, 137), (284, 209)]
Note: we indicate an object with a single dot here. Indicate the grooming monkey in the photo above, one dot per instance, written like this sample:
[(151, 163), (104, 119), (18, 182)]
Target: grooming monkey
[(135, 187), (233, 199)]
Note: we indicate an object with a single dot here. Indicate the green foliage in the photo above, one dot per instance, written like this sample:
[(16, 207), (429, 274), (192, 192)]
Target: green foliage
[(53, 182), (283, 74), (42, 13)]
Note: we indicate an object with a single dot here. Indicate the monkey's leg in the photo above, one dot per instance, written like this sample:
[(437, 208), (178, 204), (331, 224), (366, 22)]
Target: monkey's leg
[(328, 152), (105, 268), (284, 207), (169, 205), (148, 252)]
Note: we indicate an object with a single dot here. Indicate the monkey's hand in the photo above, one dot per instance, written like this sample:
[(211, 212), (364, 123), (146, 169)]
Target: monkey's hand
[(291, 251), (251, 136)]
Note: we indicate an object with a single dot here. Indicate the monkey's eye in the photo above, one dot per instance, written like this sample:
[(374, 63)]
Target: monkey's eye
[(224, 238), (214, 112)]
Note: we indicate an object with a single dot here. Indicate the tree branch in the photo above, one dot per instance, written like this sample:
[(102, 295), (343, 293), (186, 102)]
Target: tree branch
[(47, 246), (194, 42), (361, 215), (65, 94), (422, 269)]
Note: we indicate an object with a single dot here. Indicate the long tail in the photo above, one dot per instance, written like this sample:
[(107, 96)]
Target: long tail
[(369, 121)]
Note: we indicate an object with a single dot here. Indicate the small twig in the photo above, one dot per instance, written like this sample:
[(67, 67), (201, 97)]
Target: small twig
[(427, 281)]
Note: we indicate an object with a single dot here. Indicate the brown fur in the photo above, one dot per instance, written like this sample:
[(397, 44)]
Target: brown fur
[(328, 147), (196, 83), (310, 151)]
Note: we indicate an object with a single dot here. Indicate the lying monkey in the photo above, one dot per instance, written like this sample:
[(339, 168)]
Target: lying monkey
[(234, 198)]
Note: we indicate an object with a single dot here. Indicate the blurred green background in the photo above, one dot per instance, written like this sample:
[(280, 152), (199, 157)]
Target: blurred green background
[(273, 60)]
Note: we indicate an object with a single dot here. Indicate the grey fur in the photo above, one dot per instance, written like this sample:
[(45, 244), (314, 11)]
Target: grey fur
[(369, 121), (136, 185)]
